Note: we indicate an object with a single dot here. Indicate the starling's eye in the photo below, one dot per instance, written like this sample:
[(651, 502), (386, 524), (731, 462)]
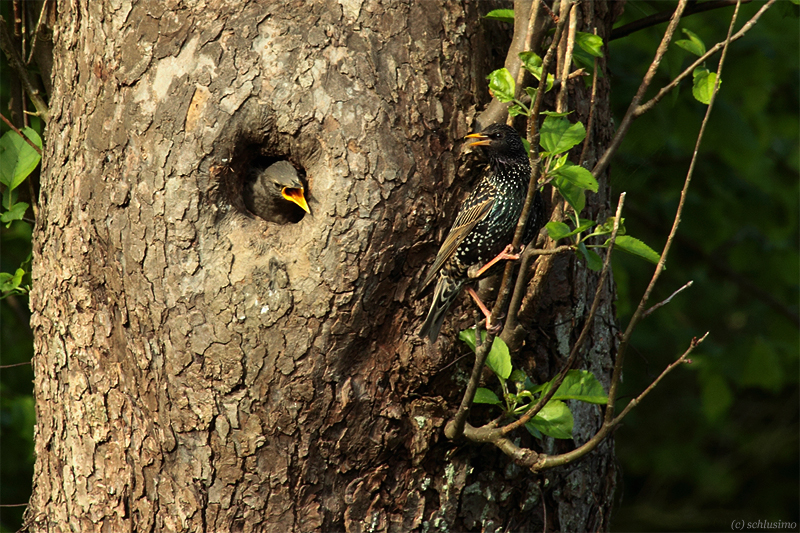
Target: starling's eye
[(494, 136)]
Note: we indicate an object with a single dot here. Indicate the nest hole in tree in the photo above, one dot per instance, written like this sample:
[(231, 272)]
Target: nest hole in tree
[(268, 185)]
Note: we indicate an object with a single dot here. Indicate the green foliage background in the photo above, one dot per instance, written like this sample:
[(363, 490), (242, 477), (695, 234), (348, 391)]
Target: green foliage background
[(718, 440)]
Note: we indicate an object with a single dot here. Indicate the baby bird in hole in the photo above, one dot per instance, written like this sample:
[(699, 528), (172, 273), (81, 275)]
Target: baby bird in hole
[(276, 194)]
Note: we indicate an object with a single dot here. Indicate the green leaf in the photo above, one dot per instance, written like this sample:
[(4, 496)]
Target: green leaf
[(557, 230), (533, 64), (571, 193), (555, 420), (590, 43), (577, 175), (505, 15), (558, 135), (581, 385), (694, 44), (634, 246), (468, 337), (607, 227), (501, 85), (518, 376), (527, 146), (516, 109), (593, 259), (483, 395), (17, 158), (11, 282), (583, 60), (703, 84), (16, 212), (499, 359)]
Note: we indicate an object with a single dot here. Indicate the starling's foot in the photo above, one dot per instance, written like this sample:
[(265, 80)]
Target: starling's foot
[(504, 255), (494, 327), (481, 305)]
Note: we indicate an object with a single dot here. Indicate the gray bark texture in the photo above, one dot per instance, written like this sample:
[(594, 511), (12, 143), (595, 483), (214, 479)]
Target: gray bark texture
[(201, 370)]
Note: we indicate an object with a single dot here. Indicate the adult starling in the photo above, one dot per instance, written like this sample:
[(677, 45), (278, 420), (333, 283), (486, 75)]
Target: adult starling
[(275, 193), (486, 222)]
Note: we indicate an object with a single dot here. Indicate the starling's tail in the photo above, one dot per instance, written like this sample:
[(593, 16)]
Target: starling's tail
[(446, 292)]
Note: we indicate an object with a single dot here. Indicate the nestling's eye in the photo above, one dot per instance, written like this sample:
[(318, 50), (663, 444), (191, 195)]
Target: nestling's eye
[(277, 185)]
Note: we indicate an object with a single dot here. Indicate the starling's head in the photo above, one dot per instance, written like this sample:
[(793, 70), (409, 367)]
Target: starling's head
[(281, 180), (502, 142)]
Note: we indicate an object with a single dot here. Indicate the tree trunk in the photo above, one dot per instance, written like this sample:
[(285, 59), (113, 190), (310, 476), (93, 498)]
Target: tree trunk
[(200, 369)]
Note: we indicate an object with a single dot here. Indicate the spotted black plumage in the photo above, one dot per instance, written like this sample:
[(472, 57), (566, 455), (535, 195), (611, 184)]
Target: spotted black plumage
[(486, 222)]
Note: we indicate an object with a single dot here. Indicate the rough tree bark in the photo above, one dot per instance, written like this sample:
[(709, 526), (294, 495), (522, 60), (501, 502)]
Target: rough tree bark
[(198, 369)]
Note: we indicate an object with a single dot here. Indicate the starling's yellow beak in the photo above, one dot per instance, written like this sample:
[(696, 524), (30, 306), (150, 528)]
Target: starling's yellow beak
[(483, 140), (296, 196)]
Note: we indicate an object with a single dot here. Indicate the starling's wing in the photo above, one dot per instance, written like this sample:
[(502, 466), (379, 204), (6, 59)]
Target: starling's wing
[(477, 207)]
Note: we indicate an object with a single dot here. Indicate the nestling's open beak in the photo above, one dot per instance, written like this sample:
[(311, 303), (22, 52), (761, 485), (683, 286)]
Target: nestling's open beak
[(296, 196), (483, 140)]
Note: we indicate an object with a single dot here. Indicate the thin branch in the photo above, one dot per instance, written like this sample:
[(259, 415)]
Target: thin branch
[(38, 32), (663, 16), (590, 122), (534, 13), (648, 78), (638, 314), (668, 300), (644, 108), (16, 63), (563, 75), (3, 367)]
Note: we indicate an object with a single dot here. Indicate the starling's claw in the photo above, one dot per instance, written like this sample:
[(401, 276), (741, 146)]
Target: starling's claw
[(504, 255), (494, 327)]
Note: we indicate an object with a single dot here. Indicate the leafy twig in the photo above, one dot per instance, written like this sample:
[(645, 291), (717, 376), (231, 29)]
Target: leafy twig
[(587, 326), (639, 313), (644, 108)]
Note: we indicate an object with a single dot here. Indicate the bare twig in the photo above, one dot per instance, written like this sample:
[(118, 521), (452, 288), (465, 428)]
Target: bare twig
[(668, 300), (566, 61), (648, 78), (37, 34), (16, 63), (534, 13), (3, 367)]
